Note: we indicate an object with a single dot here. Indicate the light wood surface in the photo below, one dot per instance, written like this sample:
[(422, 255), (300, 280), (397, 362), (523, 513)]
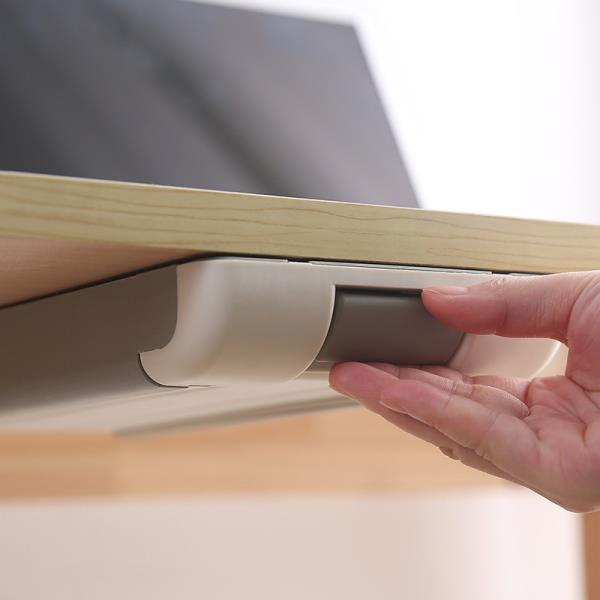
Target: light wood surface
[(87, 231), (30, 268), (344, 451)]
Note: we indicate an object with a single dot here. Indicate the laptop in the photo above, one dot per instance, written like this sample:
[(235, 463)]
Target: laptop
[(197, 95)]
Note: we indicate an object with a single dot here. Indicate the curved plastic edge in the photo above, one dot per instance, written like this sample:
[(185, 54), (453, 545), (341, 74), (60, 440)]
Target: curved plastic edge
[(243, 321), (492, 354), (265, 320)]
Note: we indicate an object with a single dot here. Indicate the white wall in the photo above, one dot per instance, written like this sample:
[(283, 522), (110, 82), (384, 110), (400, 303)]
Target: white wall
[(495, 103), (481, 545)]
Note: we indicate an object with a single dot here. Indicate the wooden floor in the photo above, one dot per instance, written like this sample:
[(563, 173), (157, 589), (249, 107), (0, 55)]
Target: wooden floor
[(349, 450)]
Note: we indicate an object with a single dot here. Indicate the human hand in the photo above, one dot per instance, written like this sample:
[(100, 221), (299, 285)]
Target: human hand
[(544, 433)]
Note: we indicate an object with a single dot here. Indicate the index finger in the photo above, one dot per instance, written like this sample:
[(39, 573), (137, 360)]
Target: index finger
[(537, 306)]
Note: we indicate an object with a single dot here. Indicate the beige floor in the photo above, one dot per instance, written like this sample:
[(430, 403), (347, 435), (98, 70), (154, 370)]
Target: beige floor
[(492, 545)]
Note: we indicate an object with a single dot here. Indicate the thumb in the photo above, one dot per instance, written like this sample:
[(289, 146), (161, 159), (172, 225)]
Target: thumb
[(536, 306)]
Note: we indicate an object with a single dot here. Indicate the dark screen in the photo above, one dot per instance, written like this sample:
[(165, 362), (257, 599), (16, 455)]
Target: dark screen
[(180, 93)]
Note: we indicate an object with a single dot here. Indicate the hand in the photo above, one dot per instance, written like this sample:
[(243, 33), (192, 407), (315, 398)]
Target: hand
[(543, 434)]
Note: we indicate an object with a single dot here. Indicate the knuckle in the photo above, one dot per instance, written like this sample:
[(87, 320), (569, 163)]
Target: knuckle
[(461, 388), (449, 452), (482, 445), (468, 379), (466, 389), (496, 284), (454, 388)]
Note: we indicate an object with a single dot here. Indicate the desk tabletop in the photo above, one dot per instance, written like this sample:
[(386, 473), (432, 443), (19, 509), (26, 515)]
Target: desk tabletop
[(58, 233)]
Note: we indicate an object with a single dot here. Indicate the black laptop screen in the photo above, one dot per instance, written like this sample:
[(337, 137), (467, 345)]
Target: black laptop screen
[(188, 94)]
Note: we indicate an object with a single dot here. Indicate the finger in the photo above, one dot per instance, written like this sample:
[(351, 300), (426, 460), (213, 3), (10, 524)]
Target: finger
[(365, 382), (351, 381), (446, 372), (442, 371), (516, 386), (501, 439), (496, 398), (538, 306), (468, 458)]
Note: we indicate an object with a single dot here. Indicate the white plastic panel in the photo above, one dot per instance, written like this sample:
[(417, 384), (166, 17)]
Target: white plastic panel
[(260, 320)]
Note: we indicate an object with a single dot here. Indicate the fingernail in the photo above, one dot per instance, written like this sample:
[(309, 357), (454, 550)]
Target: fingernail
[(448, 290)]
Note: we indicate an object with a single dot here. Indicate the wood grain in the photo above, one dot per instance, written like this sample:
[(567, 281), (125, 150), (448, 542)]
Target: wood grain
[(30, 268), (90, 230), (345, 451)]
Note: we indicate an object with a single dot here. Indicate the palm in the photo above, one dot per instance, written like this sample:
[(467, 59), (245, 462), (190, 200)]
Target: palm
[(563, 414), (548, 438), (566, 421)]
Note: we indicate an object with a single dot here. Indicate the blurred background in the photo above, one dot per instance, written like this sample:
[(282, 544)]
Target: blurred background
[(470, 106)]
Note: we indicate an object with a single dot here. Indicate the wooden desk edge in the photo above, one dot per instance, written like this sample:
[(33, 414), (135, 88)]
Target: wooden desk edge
[(187, 222)]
